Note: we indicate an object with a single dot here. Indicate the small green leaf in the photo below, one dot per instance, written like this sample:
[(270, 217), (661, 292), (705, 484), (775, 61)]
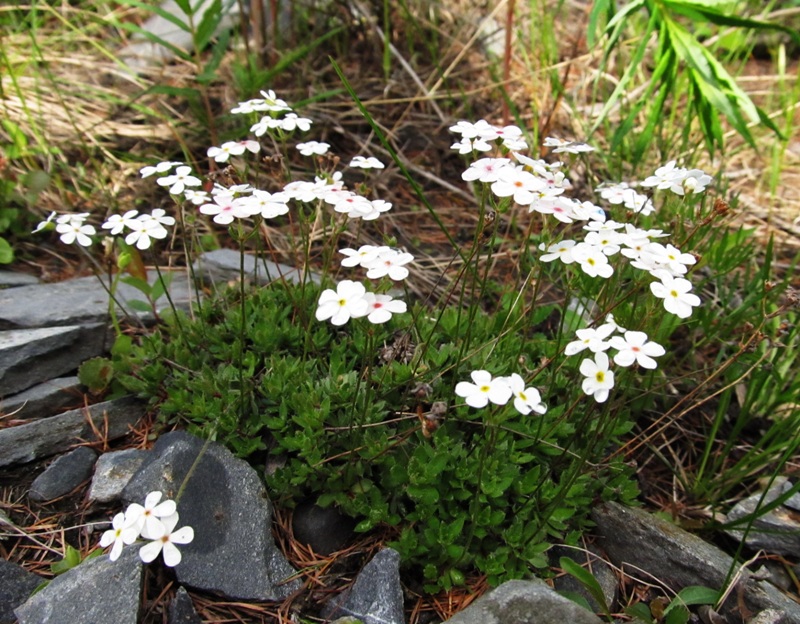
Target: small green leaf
[(96, 374), (585, 578), (6, 252)]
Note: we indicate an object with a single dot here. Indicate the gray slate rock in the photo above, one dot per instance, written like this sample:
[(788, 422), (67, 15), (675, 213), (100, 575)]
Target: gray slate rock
[(524, 602), (78, 301), (376, 596), (324, 530), (42, 438), (11, 279), (776, 531), (62, 476), (16, 585), (44, 399), (31, 356), (98, 591), (181, 609), (225, 502), (222, 265), (112, 473), (679, 559), (593, 562)]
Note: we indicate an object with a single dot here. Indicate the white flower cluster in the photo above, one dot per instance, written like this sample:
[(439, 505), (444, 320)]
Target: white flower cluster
[(351, 300), (678, 179), (155, 521), (477, 137), (485, 389), (142, 227), (632, 347)]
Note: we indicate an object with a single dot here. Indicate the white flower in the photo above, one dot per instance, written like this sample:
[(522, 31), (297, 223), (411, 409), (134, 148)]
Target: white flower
[(695, 182), (312, 147), (366, 163), (676, 293), (668, 176), (558, 251), (117, 223), (342, 304), (389, 262), (225, 209), (44, 224), (179, 180), (524, 187), (484, 389), (485, 169), (165, 543), (467, 146), (76, 230), (590, 338), (160, 216), (196, 197), (233, 148), (634, 347), (480, 128), (268, 205), (379, 206), (289, 123), (161, 167), (381, 307), (148, 520), (363, 256), (121, 533), (592, 260), (526, 400), (569, 147), (599, 380)]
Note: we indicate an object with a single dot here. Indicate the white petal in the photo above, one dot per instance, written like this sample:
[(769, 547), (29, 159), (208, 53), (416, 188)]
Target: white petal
[(149, 552)]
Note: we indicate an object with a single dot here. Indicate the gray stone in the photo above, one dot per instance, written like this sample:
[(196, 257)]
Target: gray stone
[(770, 616), (41, 438), (181, 609), (632, 537), (97, 591), (16, 585), (324, 530), (223, 499), (593, 562), (376, 596), (347, 620), (11, 279), (222, 265), (62, 476), (31, 356), (524, 602), (113, 472), (776, 531), (79, 301), (44, 399)]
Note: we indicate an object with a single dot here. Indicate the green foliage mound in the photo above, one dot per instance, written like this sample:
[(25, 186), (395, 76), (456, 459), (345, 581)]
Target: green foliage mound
[(363, 417)]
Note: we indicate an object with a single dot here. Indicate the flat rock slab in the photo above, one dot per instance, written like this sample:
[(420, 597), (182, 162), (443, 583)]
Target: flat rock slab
[(113, 472), (376, 597), (16, 585), (44, 399), (679, 559), (223, 265), (524, 602), (32, 356), (78, 301), (225, 502), (11, 279), (42, 438), (66, 473), (98, 591)]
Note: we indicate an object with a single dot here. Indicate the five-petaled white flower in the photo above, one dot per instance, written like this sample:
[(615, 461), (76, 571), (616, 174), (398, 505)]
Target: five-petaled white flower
[(121, 533), (483, 389), (148, 520), (599, 380), (310, 148), (117, 223), (676, 293), (369, 162), (178, 181), (342, 304), (381, 307), (76, 230), (165, 542), (526, 400), (635, 347)]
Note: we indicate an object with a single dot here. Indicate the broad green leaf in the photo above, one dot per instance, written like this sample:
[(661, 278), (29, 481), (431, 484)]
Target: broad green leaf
[(138, 283), (585, 578), (212, 17), (139, 306), (6, 252), (160, 286)]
